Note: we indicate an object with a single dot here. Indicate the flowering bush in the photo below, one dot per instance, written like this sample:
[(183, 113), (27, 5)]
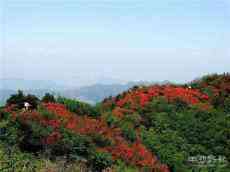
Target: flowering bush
[(100, 161), (136, 154), (142, 96)]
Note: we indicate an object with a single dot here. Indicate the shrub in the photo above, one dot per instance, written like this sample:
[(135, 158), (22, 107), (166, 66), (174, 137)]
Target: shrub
[(159, 104), (122, 167), (73, 145), (111, 120), (100, 140), (79, 107), (45, 113), (134, 118), (4, 115), (34, 135), (100, 161), (32, 100), (129, 133), (180, 105), (9, 132), (12, 159), (48, 98), (19, 99), (168, 146), (226, 105)]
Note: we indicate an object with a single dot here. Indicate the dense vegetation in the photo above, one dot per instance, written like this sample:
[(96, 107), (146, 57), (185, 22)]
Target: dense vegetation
[(147, 128)]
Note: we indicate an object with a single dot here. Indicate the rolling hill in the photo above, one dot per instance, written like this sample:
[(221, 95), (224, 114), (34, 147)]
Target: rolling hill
[(160, 127)]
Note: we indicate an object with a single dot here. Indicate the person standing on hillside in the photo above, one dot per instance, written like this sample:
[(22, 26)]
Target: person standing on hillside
[(26, 105)]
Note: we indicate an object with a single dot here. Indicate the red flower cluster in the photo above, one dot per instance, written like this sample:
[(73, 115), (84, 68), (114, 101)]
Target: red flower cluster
[(143, 156), (135, 154), (88, 125), (72, 123), (123, 151), (119, 112), (30, 116), (53, 123), (190, 96), (142, 96), (58, 109)]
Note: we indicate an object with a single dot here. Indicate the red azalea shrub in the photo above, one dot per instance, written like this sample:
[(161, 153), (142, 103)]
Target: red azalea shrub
[(136, 154), (86, 125), (72, 123), (190, 96), (30, 116), (58, 109), (54, 123), (143, 157), (123, 151), (142, 96)]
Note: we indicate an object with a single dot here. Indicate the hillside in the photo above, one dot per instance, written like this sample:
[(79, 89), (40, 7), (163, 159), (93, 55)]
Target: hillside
[(146, 128)]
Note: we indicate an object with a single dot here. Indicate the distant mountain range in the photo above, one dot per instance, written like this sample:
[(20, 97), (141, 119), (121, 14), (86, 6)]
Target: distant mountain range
[(92, 94)]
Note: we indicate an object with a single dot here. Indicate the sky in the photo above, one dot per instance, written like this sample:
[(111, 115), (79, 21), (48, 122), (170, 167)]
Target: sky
[(81, 42)]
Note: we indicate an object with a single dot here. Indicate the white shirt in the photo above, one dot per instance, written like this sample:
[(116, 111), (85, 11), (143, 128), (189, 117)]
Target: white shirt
[(26, 104)]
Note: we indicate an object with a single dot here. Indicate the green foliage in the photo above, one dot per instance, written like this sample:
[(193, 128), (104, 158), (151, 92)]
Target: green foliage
[(38, 131), (111, 119), (33, 134), (45, 113), (122, 167), (157, 105), (169, 146), (180, 105), (78, 107), (207, 90), (19, 99), (48, 98), (9, 132), (174, 133), (226, 105), (100, 140), (73, 145), (100, 161), (12, 159), (133, 118), (32, 100), (129, 132), (4, 115)]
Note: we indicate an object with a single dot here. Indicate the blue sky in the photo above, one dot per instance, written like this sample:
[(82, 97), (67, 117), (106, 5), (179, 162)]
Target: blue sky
[(84, 41)]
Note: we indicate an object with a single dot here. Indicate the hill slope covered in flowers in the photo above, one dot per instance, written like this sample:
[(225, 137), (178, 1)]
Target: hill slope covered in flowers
[(154, 128)]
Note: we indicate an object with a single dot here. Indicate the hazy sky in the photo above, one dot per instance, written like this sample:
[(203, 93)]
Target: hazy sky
[(88, 40)]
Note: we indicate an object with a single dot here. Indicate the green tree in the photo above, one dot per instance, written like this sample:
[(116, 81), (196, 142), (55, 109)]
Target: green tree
[(48, 98), (17, 99)]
